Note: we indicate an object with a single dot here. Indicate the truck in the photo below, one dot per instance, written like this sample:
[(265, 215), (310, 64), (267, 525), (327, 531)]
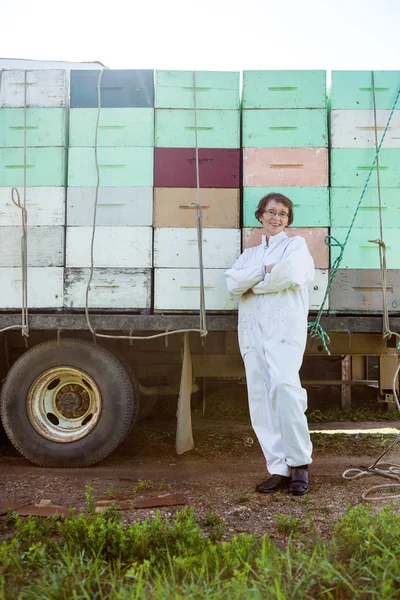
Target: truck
[(124, 195)]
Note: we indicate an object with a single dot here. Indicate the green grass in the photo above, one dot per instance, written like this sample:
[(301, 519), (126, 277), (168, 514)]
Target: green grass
[(98, 557)]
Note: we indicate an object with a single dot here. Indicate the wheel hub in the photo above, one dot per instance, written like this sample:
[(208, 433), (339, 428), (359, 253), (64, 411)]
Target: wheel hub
[(72, 401)]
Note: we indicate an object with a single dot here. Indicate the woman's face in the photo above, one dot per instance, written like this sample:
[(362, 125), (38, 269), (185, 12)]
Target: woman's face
[(275, 217)]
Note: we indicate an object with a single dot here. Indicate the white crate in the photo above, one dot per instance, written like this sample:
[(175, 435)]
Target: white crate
[(45, 206), (178, 248), (45, 287), (356, 128), (113, 247), (45, 246), (109, 288), (116, 206), (45, 88)]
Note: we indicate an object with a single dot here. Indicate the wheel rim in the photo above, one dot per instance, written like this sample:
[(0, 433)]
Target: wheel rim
[(64, 404)]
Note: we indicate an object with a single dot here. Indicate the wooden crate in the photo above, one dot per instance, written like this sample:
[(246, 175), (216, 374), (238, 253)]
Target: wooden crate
[(109, 288), (350, 167), (116, 206), (361, 253), (284, 89), (353, 89), (179, 289), (345, 200), (44, 127), (45, 167), (215, 128), (45, 206), (315, 238), (356, 128), (302, 128), (113, 247), (119, 88), (45, 287), (176, 167), (310, 204), (220, 207), (176, 247), (118, 127), (317, 289), (45, 246), (125, 167), (285, 167), (45, 88), (360, 290), (214, 89)]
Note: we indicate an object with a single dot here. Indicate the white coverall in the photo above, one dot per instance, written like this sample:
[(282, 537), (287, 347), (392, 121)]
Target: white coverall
[(272, 337)]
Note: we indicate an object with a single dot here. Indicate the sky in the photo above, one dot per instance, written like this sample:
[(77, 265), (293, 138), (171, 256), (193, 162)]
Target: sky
[(205, 34)]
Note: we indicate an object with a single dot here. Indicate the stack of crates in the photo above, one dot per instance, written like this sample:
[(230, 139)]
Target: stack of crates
[(285, 150), (125, 153), (33, 110), (358, 285), (176, 262)]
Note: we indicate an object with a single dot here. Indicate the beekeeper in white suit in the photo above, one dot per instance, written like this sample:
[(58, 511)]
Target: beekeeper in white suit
[(272, 282)]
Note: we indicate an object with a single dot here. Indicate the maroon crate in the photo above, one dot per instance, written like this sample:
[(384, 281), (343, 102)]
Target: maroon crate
[(176, 167)]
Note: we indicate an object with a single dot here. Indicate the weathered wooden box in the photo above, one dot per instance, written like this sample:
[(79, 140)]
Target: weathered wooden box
[(45, 246), (44, 88), (118, 88), (45, 287), (360, 290), (110, 288), (45, 206)]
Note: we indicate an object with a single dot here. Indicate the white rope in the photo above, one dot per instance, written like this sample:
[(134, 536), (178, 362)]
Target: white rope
[(24, 327), (202, 330), (392, 470)]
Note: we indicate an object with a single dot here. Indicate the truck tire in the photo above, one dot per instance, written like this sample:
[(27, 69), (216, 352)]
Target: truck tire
[(67, 405)]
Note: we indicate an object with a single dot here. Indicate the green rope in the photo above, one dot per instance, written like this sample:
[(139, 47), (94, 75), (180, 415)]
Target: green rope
[(315, 327)]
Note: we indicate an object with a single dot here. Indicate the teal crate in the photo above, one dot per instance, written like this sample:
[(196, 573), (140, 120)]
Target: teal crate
[(353, 89), (44, 167), (118, 127), (350, 167), (310, 204), (344, 203), (284, 89), (287, 128), (360, 252), (214, 89), (215, 128), (44, 127), (118, 167)]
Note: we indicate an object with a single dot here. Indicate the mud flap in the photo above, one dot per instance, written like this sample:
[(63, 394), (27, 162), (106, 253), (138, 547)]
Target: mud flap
[(184, 435)]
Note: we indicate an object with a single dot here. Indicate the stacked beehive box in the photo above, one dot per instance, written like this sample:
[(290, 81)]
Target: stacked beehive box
[(358, 285), (125, 153), (285, 149), (216, 97), (33, 114)]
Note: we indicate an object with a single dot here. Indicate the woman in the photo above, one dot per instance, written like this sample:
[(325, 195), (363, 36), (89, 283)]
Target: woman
[(272, 282)]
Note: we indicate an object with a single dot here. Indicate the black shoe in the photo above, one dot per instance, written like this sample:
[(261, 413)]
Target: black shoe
[(298, 481), (275, 483)]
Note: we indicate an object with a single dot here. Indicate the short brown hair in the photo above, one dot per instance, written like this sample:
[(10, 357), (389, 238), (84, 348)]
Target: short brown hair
[(262, 205)]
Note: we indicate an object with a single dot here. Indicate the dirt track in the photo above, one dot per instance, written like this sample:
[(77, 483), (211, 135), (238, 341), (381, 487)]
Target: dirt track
[(220, 473)]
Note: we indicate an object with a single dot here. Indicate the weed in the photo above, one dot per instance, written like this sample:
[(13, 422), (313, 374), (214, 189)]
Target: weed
[(142, 485), (216, 524), (288, 525), (242, 498), (110, 491)]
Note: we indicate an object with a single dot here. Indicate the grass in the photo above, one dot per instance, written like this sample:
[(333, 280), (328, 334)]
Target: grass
[(98, 557), (360, 414)]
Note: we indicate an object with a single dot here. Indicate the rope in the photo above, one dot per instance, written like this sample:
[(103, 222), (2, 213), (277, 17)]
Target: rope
[(316, 329), (202, 330), (393, 470), (24, 327)]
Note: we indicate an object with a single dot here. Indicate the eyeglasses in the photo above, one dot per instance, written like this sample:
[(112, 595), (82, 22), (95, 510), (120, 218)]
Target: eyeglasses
[(272, 213)]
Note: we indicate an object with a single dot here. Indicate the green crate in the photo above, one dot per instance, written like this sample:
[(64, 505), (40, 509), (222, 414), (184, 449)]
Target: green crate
[(344, 202), (361, 253), (353, 89), (118, 127), (118, 166), (214, 89), (215, 128), (284, 89), (44, 127), (287, 128), (44, 167), (350, 167)]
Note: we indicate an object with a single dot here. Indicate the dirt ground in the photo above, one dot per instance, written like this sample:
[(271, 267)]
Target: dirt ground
[(219, 474)]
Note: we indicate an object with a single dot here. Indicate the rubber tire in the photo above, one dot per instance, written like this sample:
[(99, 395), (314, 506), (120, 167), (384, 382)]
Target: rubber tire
[(117, 403)]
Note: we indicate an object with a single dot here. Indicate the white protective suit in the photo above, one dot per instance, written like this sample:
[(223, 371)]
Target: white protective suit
[(272, 337)]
